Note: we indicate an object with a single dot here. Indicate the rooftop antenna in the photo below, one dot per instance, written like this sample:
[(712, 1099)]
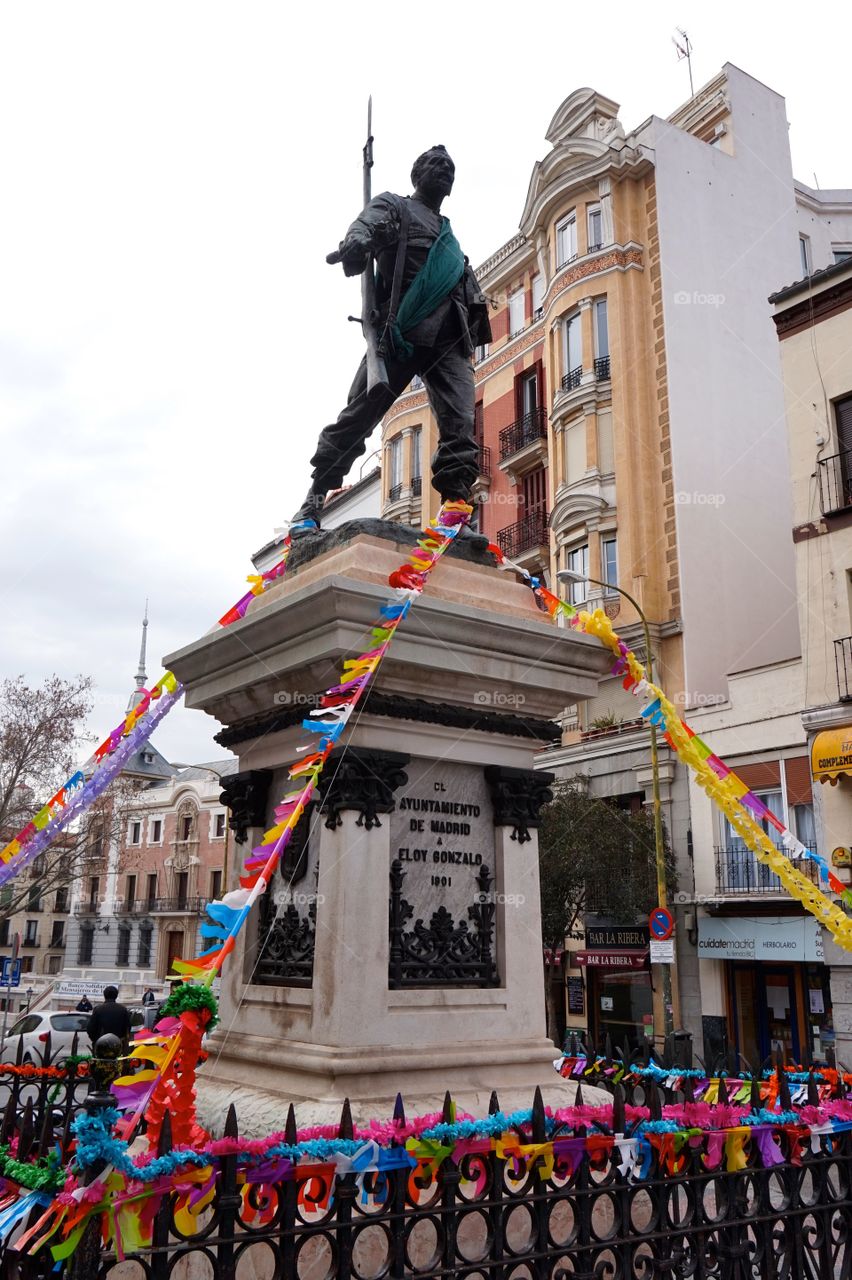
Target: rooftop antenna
[(684, 50)]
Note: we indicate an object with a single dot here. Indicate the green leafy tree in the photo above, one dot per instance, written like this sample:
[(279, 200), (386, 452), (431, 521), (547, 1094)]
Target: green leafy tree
[(593, 856)]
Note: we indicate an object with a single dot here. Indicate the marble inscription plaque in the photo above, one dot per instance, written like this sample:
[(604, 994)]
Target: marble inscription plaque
[(442, 831)]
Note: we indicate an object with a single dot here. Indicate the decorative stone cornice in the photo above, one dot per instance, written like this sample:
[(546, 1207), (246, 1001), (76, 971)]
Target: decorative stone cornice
[(518, 796), (613, 256), (244, 795), (399, 708), (361, 780)]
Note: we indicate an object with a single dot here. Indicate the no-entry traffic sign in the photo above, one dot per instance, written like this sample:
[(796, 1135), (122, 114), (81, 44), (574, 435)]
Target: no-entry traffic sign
[(661, 923)]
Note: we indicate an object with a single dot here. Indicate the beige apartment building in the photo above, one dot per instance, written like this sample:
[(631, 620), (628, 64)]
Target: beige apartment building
[(630, 416), (813, 319)]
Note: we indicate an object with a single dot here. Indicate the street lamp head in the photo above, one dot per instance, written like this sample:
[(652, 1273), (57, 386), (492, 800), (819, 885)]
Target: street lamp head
[(569, 575)]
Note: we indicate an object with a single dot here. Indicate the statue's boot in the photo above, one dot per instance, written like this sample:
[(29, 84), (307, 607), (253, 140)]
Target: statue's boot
[(307, 518), (475, 541)]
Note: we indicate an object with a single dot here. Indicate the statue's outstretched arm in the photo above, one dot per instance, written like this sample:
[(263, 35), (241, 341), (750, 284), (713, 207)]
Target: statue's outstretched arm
[(375, 227)]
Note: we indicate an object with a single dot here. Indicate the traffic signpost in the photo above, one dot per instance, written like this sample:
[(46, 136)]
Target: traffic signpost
[(10, 977), (661, 926)]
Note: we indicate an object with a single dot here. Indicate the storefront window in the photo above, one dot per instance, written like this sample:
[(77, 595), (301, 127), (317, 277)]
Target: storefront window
[(623, 1006)]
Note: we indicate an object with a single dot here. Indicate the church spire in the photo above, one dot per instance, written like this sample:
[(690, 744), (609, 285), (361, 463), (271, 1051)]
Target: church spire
[(141, 674)]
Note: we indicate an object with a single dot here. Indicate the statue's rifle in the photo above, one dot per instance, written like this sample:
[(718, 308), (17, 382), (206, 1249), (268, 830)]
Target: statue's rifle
[(377, 376)]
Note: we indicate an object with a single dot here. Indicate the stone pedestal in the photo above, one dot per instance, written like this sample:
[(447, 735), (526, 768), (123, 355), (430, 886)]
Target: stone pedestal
[(400, 947)]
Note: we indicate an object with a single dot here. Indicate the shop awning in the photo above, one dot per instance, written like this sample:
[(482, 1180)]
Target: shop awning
[(831, 754), (614, 958)]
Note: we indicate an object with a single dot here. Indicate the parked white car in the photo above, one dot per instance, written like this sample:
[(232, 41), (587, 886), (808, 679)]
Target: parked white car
[(33, 1029)]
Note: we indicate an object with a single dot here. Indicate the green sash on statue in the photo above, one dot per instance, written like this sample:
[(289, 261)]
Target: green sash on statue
[(438, 276)]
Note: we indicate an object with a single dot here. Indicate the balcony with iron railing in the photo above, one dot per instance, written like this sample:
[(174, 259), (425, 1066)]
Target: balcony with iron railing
[(484, 463), (178, 906), (89, 908), (573, 378), (526, 534), (602, 368), (739, 874), (834, 475), (416, 486), (843, 666), (394, 493), (527, 430)]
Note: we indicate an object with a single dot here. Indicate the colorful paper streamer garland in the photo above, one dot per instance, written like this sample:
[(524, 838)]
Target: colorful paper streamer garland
[(739, 804)]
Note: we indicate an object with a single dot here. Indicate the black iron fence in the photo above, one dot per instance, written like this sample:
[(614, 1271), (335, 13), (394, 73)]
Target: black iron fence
[(835, 482), (531, 427), (739, 872), (484, 455), (843, 665), (578, 1209), (572, 379), (524, 534)]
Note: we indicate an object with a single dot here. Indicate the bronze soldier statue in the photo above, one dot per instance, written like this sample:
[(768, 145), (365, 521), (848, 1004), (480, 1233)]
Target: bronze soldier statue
[(430, 315)]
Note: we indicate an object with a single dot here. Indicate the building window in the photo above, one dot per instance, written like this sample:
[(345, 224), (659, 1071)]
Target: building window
[(395, 468), (573, 345), (842, 255), (416, 447), (122, 951), (566, 240), (609, 562), (143, 954), (219, 826), (595, 218), (516, 312), (94, 890), (479, 421), (130, 891), (182, 888), (528, 393), (33, 899), (803, 818), (156, 831), (54, 964), (135, 832), (151, 891), (96, 840), (805, 254), (186, 824), (535, 490), (480, 352), (30, 933), (578, 562), (61, 900), (84, 950), (4, 933), (215, 884), (538, 296), (27, 964), (57, 934), (601, 330)]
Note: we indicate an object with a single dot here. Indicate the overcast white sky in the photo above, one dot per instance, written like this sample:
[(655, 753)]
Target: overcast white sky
[(171, 340)]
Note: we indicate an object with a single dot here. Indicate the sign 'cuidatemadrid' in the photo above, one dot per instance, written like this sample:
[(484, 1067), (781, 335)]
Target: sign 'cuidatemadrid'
[(764, 938)]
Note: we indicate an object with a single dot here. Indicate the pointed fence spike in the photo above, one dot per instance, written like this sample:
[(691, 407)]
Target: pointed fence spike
[(291, 1133), (755, 1098), (578, 1096), (447, 1111), (608, 1048), (399, 1110), (232, 1128), (723, 1098), (45, 1138), (654, 1105), (783, 1085), (688, 1089), (618, 1117), (165, 1143), (346, 1129), (493, 1103), (538, 1117), (7, 1132), (27, 1135), (813, 1092)]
